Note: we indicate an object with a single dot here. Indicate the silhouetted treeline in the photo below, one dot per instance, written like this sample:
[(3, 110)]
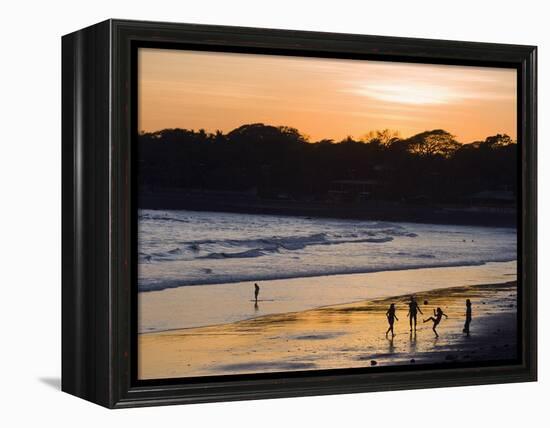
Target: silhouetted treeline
[(280, 162)]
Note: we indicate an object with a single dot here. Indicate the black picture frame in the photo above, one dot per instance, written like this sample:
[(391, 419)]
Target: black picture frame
[(98, 225)]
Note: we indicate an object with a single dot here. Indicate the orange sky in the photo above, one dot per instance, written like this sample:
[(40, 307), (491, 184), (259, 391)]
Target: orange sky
[(323, 98)]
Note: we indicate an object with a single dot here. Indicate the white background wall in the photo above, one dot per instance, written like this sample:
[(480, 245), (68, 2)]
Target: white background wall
[(30, 171)]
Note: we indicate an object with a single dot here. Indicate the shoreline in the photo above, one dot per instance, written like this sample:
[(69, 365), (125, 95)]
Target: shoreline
[(218, 304), (339, 336), (330, 274)]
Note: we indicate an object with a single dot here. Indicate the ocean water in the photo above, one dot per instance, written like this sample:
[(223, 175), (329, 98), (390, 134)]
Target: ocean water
[(187, 248)]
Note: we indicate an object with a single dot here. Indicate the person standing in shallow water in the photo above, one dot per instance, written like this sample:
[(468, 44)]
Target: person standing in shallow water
[(413, 310), (256, 292), (468, 317), (391, 318), (436, 319)]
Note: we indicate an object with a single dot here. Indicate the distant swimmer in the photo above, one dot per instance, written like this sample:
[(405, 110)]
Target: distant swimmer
[(413, 310), (391, 318), (256, 292), (468, 317), (436, 319)]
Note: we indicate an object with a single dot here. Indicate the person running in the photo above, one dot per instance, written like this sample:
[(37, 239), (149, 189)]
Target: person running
[(468, 317), (436, 319), (413, 310), (256, 292), (391, 318)]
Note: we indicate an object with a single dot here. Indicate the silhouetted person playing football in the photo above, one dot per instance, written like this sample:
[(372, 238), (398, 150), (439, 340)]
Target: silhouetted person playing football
[(391, 318), (436, 319), (468, 317), (413, 310)]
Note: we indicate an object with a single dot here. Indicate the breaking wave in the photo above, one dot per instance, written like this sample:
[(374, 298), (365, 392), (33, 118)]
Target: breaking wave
[(261, 246)]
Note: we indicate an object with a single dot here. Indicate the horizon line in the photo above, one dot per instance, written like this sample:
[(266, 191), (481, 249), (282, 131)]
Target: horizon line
[(337, 141)]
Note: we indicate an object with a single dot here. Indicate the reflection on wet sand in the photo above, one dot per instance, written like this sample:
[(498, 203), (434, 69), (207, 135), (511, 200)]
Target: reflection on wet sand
[(342, 336)]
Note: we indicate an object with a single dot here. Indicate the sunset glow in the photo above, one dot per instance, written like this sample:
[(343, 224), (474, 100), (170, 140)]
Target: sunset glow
[(302, 214), (323, 98)]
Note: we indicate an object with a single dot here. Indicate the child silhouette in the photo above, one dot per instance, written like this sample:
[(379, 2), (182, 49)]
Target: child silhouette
[(391, 318), (436, 319)]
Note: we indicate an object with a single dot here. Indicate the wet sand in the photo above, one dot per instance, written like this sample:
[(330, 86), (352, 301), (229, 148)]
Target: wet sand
[(340, 336), (214, 304)]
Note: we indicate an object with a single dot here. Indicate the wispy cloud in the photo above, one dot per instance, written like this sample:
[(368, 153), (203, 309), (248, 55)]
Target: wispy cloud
[(403, 93)]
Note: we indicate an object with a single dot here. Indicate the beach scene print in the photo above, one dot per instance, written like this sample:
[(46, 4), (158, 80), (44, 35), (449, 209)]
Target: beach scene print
[(300, 214)]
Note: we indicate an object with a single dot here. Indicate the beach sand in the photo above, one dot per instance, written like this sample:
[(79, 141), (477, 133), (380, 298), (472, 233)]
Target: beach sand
[(340, 336)]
